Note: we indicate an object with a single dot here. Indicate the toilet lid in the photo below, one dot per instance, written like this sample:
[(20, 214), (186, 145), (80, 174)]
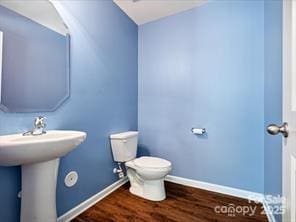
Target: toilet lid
[(151, 162)]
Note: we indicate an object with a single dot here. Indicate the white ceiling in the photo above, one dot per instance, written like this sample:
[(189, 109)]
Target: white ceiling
[(41, 11), (143, 11)]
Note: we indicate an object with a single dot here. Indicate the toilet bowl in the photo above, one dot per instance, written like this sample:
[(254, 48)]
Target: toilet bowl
[(146, 176)]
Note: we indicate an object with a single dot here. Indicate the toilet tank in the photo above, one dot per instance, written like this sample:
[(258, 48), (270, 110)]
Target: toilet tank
[(124, 146)]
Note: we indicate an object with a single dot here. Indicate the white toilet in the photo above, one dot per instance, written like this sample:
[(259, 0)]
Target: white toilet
[(146, 174)]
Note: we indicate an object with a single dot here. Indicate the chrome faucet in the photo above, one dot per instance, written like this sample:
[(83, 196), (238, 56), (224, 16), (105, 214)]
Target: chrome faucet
[(38, 128)]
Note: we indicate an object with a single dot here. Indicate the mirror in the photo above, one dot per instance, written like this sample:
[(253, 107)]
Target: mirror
[(35, 73)]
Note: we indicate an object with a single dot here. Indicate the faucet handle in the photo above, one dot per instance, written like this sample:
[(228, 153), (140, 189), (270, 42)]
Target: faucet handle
[(40, 122), (38, 128)]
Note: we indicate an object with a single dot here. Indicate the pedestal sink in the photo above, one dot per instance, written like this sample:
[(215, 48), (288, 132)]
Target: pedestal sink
[(39, 158)]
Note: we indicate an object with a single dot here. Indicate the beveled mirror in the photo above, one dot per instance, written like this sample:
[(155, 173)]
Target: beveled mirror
[(35, 73)]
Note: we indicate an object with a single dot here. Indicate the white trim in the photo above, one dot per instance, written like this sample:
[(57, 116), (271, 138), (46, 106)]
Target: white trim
[(288, 46), (74, 212), (216, 188), (269, 215)]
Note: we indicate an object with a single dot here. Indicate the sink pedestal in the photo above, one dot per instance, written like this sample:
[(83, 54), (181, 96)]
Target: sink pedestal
[(38, 203)]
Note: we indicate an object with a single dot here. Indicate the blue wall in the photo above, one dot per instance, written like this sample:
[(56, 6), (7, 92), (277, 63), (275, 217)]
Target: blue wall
[(273, 96), (39, 56), (103, 101), (205, 68)]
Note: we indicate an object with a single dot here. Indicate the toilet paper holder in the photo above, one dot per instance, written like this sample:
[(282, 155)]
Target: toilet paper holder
[(198, 131)]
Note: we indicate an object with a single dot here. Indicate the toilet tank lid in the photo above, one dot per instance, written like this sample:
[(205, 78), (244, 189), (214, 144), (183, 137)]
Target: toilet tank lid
[(124, 135)]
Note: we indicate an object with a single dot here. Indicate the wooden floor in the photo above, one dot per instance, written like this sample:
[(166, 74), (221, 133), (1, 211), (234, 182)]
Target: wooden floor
[(182, 204)]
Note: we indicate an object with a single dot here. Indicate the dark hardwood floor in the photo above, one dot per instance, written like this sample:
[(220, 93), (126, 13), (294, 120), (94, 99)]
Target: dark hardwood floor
[(182, 204)]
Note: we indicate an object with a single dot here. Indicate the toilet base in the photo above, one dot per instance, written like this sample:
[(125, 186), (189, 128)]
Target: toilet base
[(151, 190), (148, 189)]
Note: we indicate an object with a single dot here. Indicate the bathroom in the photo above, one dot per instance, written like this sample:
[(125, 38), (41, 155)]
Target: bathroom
[(199, 83)]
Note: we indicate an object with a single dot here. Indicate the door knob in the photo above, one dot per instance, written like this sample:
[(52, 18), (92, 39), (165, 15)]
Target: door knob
[(274, 129)]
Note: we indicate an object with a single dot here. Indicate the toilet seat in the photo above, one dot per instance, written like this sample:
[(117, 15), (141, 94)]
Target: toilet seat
[(151, 162)]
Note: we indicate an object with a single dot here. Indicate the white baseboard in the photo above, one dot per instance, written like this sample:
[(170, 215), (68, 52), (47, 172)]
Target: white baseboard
[(216, 188), (74, 212)]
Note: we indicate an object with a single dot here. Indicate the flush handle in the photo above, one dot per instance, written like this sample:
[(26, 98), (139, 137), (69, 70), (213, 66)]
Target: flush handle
[(274, 129)]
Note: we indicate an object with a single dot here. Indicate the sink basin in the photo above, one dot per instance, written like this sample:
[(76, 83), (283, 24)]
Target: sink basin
[(39, 158), (17, 149)]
